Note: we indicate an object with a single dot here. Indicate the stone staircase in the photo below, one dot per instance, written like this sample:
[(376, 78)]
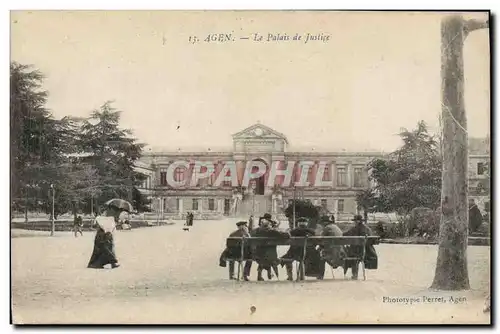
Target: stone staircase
[(257, 205)]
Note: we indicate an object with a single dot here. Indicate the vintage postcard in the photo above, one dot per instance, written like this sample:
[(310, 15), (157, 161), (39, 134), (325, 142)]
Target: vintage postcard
[(250, 167)]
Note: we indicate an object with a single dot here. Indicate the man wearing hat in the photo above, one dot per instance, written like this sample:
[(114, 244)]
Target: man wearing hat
[(371, 261), (267, 256), (267, 217), (296, 253), (235, 252)]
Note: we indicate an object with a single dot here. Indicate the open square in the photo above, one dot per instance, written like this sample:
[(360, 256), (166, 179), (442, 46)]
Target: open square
[(168, 276)]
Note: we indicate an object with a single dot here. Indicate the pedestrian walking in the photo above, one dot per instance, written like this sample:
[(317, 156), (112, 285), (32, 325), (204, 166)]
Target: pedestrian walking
[(78, 225)]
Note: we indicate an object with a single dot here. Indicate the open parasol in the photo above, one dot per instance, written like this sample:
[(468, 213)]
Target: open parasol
[(120, 204)]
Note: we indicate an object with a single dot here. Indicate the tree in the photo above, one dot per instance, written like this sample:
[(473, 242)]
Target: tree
[(408, 178), (112, 152), (366, 199), (305, 209), (451, 267), (34, 135)]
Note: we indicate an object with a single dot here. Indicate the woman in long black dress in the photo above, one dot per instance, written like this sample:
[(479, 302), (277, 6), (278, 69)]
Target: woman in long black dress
[(104, 246)]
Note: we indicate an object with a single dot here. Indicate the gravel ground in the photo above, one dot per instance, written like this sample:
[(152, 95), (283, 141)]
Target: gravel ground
[(168, 275)]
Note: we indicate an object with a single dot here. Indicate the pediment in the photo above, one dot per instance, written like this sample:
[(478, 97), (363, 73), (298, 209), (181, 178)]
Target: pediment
[(259, 131)]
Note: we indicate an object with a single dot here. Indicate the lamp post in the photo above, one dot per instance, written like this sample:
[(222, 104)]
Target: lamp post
[(293, 217), (53, 223), (253, 198)]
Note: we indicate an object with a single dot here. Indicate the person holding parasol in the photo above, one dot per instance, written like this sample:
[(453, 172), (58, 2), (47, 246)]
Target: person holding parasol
[(104, 246)]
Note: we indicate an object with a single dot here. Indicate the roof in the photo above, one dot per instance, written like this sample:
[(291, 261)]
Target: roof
[(479, 146), (247, 130)]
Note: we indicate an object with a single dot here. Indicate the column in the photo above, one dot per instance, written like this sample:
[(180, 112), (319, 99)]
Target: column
[(200, 204), (181, 206), (314, 168), (220, 205), (349, 174), (162, 207), (335, 209), (333, 168), (274, 205)]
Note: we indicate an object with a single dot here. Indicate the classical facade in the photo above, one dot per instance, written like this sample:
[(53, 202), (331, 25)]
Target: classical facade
[(479, 172), (328, 179)]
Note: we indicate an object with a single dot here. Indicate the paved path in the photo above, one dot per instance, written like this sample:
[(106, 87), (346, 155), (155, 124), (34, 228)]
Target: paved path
[(168, 275)]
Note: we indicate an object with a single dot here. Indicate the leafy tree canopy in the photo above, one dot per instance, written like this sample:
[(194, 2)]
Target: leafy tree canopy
[(409, 177)]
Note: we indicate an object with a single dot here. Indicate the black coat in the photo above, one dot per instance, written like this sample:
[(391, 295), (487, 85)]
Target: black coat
[(104, 250), (475, 218), (296, 252), (235, 252), (371, 259), (267, 255)]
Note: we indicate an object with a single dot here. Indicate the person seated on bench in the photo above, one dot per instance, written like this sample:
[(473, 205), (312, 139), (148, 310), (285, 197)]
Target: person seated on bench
[(267, 256), (314, 265), (371, 261), (333, 255), (296, 253), (231, 253)]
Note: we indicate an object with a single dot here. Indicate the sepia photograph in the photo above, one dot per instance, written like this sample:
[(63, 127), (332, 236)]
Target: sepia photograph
[(250, 167)]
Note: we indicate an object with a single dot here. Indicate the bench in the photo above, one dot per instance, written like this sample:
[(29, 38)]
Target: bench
[(302, 242)]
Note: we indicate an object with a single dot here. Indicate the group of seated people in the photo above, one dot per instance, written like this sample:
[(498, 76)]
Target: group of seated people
[(315, 257)]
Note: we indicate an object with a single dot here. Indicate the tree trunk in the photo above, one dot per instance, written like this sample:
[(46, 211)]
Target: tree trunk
[(451, 268)]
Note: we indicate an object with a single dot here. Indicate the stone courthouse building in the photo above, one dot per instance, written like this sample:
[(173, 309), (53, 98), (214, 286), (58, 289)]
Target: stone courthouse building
[(343, 174)]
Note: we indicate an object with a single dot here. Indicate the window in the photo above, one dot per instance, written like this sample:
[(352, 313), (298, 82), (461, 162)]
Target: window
[(213, 177), (211, 204), (358, 177), (341, 177), (324, 203), (204, 181), (163, 178), (179, 174), (227, 183), (326, 174), (310, 176), (481, 168), (227, 206), (177, 204), (195, 204), (340, 205), (164, 204), (296, 173)]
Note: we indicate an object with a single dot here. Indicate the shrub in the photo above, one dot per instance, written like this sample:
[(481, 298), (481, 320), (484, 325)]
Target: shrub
[(380, 229), (394, 231), (424, 222)]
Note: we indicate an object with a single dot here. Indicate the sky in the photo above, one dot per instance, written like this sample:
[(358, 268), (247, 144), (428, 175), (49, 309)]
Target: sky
[(376, 73)]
